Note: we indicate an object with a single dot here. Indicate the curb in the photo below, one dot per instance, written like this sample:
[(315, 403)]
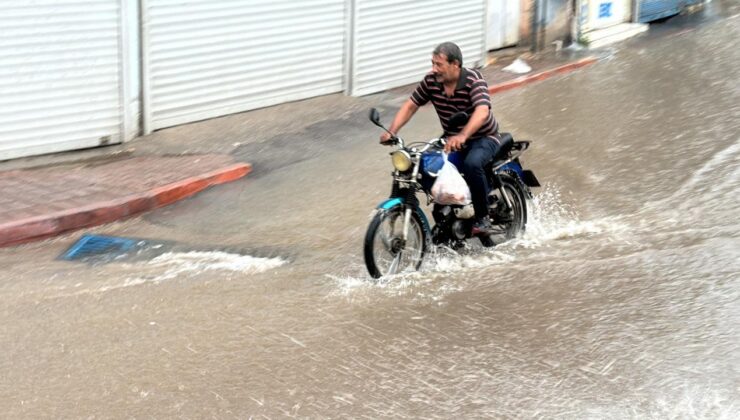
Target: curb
[(520, 81), (42, 227)]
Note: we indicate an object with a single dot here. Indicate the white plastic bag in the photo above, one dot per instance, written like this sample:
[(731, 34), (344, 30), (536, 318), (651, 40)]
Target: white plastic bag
[(450, 187)]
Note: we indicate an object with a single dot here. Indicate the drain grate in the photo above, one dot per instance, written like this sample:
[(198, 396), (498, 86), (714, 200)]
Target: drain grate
[(98, 245)]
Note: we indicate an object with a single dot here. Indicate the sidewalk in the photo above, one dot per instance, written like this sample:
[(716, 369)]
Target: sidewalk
[(50, 195), (43, 202), (544, 65)]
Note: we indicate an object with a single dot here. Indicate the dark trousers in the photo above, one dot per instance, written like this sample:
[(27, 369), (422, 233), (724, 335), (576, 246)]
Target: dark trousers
[(476, 154)]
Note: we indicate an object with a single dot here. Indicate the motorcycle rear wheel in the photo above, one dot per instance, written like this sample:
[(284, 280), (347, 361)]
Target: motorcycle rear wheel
[(517, 223), (384, 248)]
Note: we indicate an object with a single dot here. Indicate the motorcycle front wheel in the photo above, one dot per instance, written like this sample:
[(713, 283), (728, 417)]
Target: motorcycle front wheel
[(386, 253)]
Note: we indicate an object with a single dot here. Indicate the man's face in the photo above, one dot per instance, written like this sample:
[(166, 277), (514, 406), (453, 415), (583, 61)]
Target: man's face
[(442, 70)]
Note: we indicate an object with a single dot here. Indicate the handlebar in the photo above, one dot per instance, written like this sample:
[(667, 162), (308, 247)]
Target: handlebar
[(398, 141), (438, 142), (394, 140)]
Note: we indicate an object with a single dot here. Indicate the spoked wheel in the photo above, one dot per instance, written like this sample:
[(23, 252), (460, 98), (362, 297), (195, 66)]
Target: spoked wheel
[(507, 224), (386, 252)]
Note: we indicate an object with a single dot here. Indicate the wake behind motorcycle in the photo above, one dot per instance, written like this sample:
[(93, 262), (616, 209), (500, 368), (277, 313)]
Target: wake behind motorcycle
[(399, 235)]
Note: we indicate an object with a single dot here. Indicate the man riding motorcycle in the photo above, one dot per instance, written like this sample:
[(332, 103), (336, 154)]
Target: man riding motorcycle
[(452, 88)]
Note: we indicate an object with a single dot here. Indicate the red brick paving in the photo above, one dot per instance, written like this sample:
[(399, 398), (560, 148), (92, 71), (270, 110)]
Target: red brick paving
[(511, 83), (38, 203), (540, 63)]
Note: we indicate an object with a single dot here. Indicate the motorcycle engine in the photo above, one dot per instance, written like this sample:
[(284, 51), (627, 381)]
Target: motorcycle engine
[(465, 212), (454, 220), (459, 229)]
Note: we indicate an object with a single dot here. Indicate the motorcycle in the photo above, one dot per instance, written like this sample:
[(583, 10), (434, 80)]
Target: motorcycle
[(399, 234)]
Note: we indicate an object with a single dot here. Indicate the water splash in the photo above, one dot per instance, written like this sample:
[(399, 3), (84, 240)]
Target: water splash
[(177, 265), (476, 258), (409, 284), (191, 263), (551, 219)]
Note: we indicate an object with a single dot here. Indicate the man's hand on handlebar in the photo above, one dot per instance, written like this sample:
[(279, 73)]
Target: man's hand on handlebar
[(455, 143), (387, 139)]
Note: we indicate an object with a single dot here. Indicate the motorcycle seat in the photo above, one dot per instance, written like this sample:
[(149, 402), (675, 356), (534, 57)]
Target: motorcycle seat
[(506, 142)]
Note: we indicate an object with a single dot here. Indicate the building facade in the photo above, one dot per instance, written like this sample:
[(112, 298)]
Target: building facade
[(82, 73)]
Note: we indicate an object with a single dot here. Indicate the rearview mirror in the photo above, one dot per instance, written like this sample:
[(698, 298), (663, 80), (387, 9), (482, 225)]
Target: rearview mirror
[(375, 116)]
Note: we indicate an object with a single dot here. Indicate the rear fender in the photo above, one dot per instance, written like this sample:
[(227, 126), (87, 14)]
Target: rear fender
[(526, 176), (513, 167)]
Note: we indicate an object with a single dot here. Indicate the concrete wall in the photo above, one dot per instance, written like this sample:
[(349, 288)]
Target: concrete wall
[(558, 21), (557, 16)]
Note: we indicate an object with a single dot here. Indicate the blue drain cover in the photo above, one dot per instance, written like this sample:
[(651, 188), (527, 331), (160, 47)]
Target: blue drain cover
[(96, 245)]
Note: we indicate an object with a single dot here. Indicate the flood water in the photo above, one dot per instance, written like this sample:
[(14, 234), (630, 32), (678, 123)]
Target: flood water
[(621, 301)]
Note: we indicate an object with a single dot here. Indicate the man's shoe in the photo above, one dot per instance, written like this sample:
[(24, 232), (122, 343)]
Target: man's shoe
[(482, 227)]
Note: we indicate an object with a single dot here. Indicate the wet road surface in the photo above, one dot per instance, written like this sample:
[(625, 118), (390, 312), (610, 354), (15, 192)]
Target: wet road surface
[(620, 302)]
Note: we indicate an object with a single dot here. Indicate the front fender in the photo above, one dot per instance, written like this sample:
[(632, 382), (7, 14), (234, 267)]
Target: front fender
[(390, 203), (393, 202)]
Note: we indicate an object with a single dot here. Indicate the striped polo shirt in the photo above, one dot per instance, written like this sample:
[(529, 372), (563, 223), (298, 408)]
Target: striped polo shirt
[(471, 91)]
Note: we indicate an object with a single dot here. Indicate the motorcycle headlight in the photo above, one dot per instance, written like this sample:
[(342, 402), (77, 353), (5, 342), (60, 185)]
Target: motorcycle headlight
[(401, 160)]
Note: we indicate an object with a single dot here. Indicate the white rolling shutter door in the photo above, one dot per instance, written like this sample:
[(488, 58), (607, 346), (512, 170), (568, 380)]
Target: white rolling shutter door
[(393, 39), (503, 23), (206, 58), (60, 75)]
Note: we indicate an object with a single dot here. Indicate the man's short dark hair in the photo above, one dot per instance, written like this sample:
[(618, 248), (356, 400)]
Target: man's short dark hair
[(451, 51)]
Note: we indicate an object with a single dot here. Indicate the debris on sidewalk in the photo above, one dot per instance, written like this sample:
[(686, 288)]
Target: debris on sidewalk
[(519, 66)]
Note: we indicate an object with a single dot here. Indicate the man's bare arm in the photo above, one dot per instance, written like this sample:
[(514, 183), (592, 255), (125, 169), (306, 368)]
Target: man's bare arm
[(476, 121), (403, 116)]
